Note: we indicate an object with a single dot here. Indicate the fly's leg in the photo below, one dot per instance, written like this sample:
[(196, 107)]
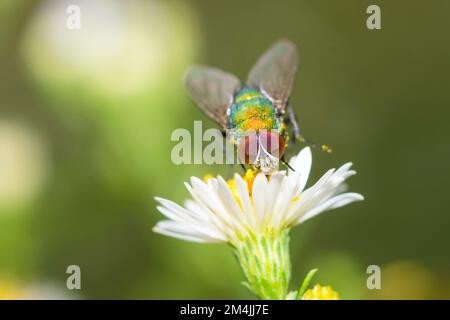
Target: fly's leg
[(283, 161), (292, 119)]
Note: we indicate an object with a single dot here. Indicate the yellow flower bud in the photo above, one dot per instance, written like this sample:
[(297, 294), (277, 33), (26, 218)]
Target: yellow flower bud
[(320, 293)]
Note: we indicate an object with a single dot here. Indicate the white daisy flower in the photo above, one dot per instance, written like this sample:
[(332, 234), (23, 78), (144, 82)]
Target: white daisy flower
[(223, 211), (254, 214)]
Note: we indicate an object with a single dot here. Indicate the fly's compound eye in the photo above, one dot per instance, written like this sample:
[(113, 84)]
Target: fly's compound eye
[(248, 149), (273, 143)]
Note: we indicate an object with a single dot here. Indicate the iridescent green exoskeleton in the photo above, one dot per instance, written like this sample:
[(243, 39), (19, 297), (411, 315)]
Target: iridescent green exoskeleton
[(254, 114)]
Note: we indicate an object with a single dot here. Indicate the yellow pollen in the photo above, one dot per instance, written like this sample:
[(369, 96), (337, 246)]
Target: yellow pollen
[(326, 148), (320, 293)]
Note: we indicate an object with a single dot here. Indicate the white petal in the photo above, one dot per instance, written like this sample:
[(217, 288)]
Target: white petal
[(210, 199), (201, 211), (317, 188), (335, 202), (244, 197), (176, 211), (285, 195), (206, 217), (184, 231), (302, 164), (229, 202), (206, 230), (181, 216), (259, 196), (272, 195), (216, 195), (179, 235), (222, 222), (344, 168), (169, 214)]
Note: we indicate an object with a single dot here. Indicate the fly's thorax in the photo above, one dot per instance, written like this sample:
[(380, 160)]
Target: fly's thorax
[(252, 111)]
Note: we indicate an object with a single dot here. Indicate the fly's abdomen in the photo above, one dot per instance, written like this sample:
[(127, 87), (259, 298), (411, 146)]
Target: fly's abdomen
[(252, 111)]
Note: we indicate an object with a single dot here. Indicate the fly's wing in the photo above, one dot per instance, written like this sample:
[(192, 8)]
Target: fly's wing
[(212, 90), (275, 71)]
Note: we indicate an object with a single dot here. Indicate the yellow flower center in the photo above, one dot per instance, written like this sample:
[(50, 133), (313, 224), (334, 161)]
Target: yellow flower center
[(249, 177), (207, 177)]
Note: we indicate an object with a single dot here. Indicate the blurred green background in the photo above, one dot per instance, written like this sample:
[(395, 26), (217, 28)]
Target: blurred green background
[(85, 123)]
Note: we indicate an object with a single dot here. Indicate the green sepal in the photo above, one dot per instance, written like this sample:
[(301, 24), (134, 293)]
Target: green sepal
[(305, 283), (264, 259)]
